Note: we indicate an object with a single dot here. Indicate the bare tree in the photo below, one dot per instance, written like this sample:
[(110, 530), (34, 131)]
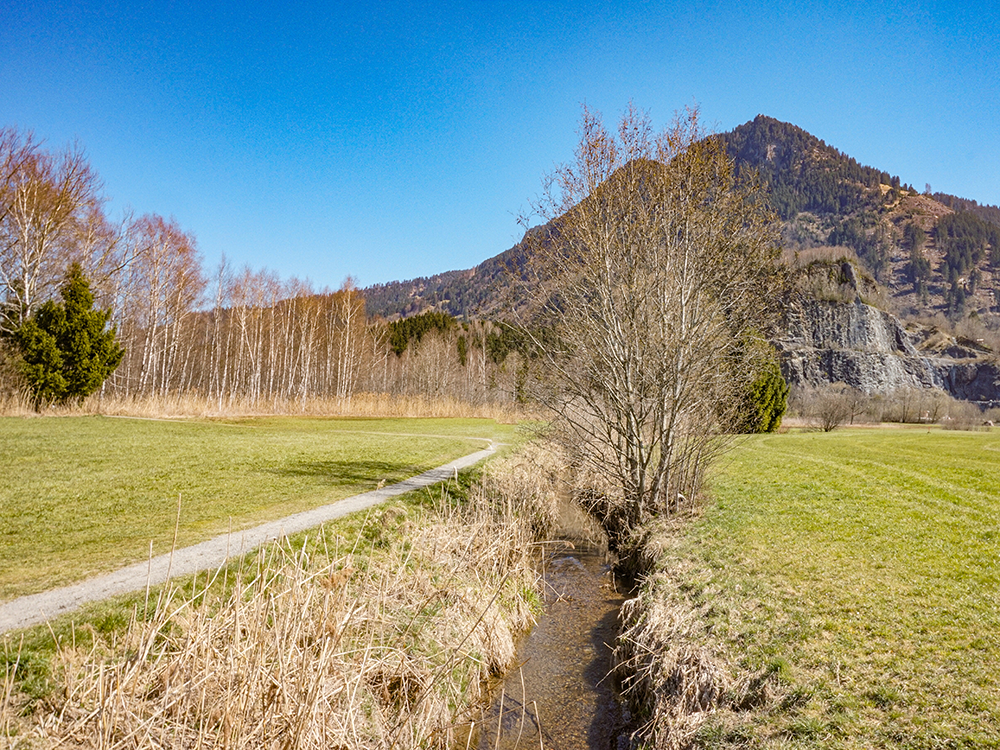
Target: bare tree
[(657, 268), (347, 336), (830, 405), (45, 203), (164, 286)]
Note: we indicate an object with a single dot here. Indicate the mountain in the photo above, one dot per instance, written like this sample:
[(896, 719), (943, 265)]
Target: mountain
[(933, 253), (893, 288), (475, 293), (930, 253)]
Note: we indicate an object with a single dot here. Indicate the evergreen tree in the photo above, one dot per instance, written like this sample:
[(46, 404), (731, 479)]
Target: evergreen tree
[(918, 268), (67, 349), (765, 401)]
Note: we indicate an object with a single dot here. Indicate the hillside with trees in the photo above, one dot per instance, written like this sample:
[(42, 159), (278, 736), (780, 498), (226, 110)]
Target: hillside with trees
[(247, 336), (933, 254)]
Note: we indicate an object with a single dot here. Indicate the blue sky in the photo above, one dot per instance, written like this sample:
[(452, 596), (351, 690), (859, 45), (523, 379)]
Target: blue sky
[(392, 140)]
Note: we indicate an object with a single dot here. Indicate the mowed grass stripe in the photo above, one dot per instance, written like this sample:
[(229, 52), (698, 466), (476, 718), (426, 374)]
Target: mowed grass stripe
[(952, 463), (85, 495), (944, 482), (867, 560), (911, 515)]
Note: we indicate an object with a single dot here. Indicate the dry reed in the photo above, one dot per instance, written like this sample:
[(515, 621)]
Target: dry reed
[(666, 671), (359, 405), (384, 640), (16, 404)]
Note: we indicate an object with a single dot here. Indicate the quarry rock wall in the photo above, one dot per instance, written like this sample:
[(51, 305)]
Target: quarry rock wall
[(869, 349)]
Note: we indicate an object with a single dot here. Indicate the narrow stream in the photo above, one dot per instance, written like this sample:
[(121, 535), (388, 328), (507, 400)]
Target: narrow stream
[(561, 697)]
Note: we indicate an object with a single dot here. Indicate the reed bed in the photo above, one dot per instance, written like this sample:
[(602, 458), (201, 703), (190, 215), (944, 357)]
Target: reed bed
[(192, 405), (667, 675), (386, 639), (675, 673), (16, 404)]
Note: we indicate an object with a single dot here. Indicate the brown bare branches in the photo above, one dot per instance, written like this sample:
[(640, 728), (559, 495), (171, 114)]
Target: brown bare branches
[(659, 269), (47, 202), (255, 340)]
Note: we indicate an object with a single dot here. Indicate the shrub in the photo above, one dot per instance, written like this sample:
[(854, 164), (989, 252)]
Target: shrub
[(67, 349), (765, 401), (963, 415)]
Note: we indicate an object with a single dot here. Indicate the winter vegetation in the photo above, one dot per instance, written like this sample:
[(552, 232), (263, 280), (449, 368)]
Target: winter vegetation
[(832, 405), (231, 339), (656, 276)]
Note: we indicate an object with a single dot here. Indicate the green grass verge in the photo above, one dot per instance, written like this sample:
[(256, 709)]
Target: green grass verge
[(863, 567), (29, 654), (85, 495)]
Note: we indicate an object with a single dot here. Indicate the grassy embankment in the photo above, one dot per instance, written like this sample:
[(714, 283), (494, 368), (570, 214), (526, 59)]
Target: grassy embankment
[(374, 631), (840, 590), (84, 495)]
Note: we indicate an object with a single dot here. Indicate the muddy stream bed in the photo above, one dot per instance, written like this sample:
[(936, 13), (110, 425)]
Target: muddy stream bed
[(559, 696)]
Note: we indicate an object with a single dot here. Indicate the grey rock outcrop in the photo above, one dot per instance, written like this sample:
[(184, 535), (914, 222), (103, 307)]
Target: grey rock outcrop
[(869, 349)]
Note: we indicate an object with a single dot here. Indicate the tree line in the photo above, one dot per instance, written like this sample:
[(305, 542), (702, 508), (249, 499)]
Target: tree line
[(232, 335)]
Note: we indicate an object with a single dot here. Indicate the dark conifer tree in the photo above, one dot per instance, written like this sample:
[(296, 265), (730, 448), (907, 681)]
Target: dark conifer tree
[(765, 402), (67, 348)]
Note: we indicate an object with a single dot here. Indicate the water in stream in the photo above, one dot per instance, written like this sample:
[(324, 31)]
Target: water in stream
[(561, 697)]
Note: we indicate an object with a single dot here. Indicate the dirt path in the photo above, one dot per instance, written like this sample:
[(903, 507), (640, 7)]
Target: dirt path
[(36, 608)]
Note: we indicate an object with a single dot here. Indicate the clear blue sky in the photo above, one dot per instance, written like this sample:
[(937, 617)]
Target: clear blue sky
[(391, 140)]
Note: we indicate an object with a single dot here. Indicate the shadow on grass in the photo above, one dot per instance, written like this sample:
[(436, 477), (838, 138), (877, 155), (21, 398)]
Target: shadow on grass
[(355, 471)]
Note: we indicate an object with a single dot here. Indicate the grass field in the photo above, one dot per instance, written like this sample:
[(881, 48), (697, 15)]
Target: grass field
[(83, 495), (862, 569)]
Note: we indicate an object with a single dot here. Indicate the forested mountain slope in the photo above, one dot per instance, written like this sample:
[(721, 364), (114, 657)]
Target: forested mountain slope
[(933, 253)]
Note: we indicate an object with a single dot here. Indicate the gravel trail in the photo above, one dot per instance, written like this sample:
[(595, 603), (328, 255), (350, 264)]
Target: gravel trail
[(35, 608)]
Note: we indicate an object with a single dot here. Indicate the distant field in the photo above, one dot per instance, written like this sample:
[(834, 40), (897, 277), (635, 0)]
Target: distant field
[(863, 566), (83, 495)]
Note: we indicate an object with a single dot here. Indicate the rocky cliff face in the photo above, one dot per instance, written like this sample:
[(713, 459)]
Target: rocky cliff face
[(869, 349)]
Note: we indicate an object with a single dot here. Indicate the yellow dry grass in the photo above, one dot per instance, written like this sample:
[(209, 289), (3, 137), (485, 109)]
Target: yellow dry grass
[(359, 405), (382, 635)]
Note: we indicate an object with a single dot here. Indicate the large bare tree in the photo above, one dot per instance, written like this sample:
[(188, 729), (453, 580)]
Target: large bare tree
[(656, 273)]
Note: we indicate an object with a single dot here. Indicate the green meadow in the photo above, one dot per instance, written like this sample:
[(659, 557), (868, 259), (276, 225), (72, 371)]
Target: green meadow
[(86, 495), (861, 568)]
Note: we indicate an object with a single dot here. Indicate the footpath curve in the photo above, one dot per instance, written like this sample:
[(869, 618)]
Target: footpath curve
[(213, 553)]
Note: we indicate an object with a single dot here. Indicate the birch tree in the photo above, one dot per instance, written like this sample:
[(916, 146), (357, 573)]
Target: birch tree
[(44, 200), (349, 335), (166, 284)]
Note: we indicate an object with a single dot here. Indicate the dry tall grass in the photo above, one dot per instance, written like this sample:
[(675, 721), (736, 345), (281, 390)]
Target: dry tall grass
[(666, 673), (16, 404), (386, 640), (359, 405), (670, 666)]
